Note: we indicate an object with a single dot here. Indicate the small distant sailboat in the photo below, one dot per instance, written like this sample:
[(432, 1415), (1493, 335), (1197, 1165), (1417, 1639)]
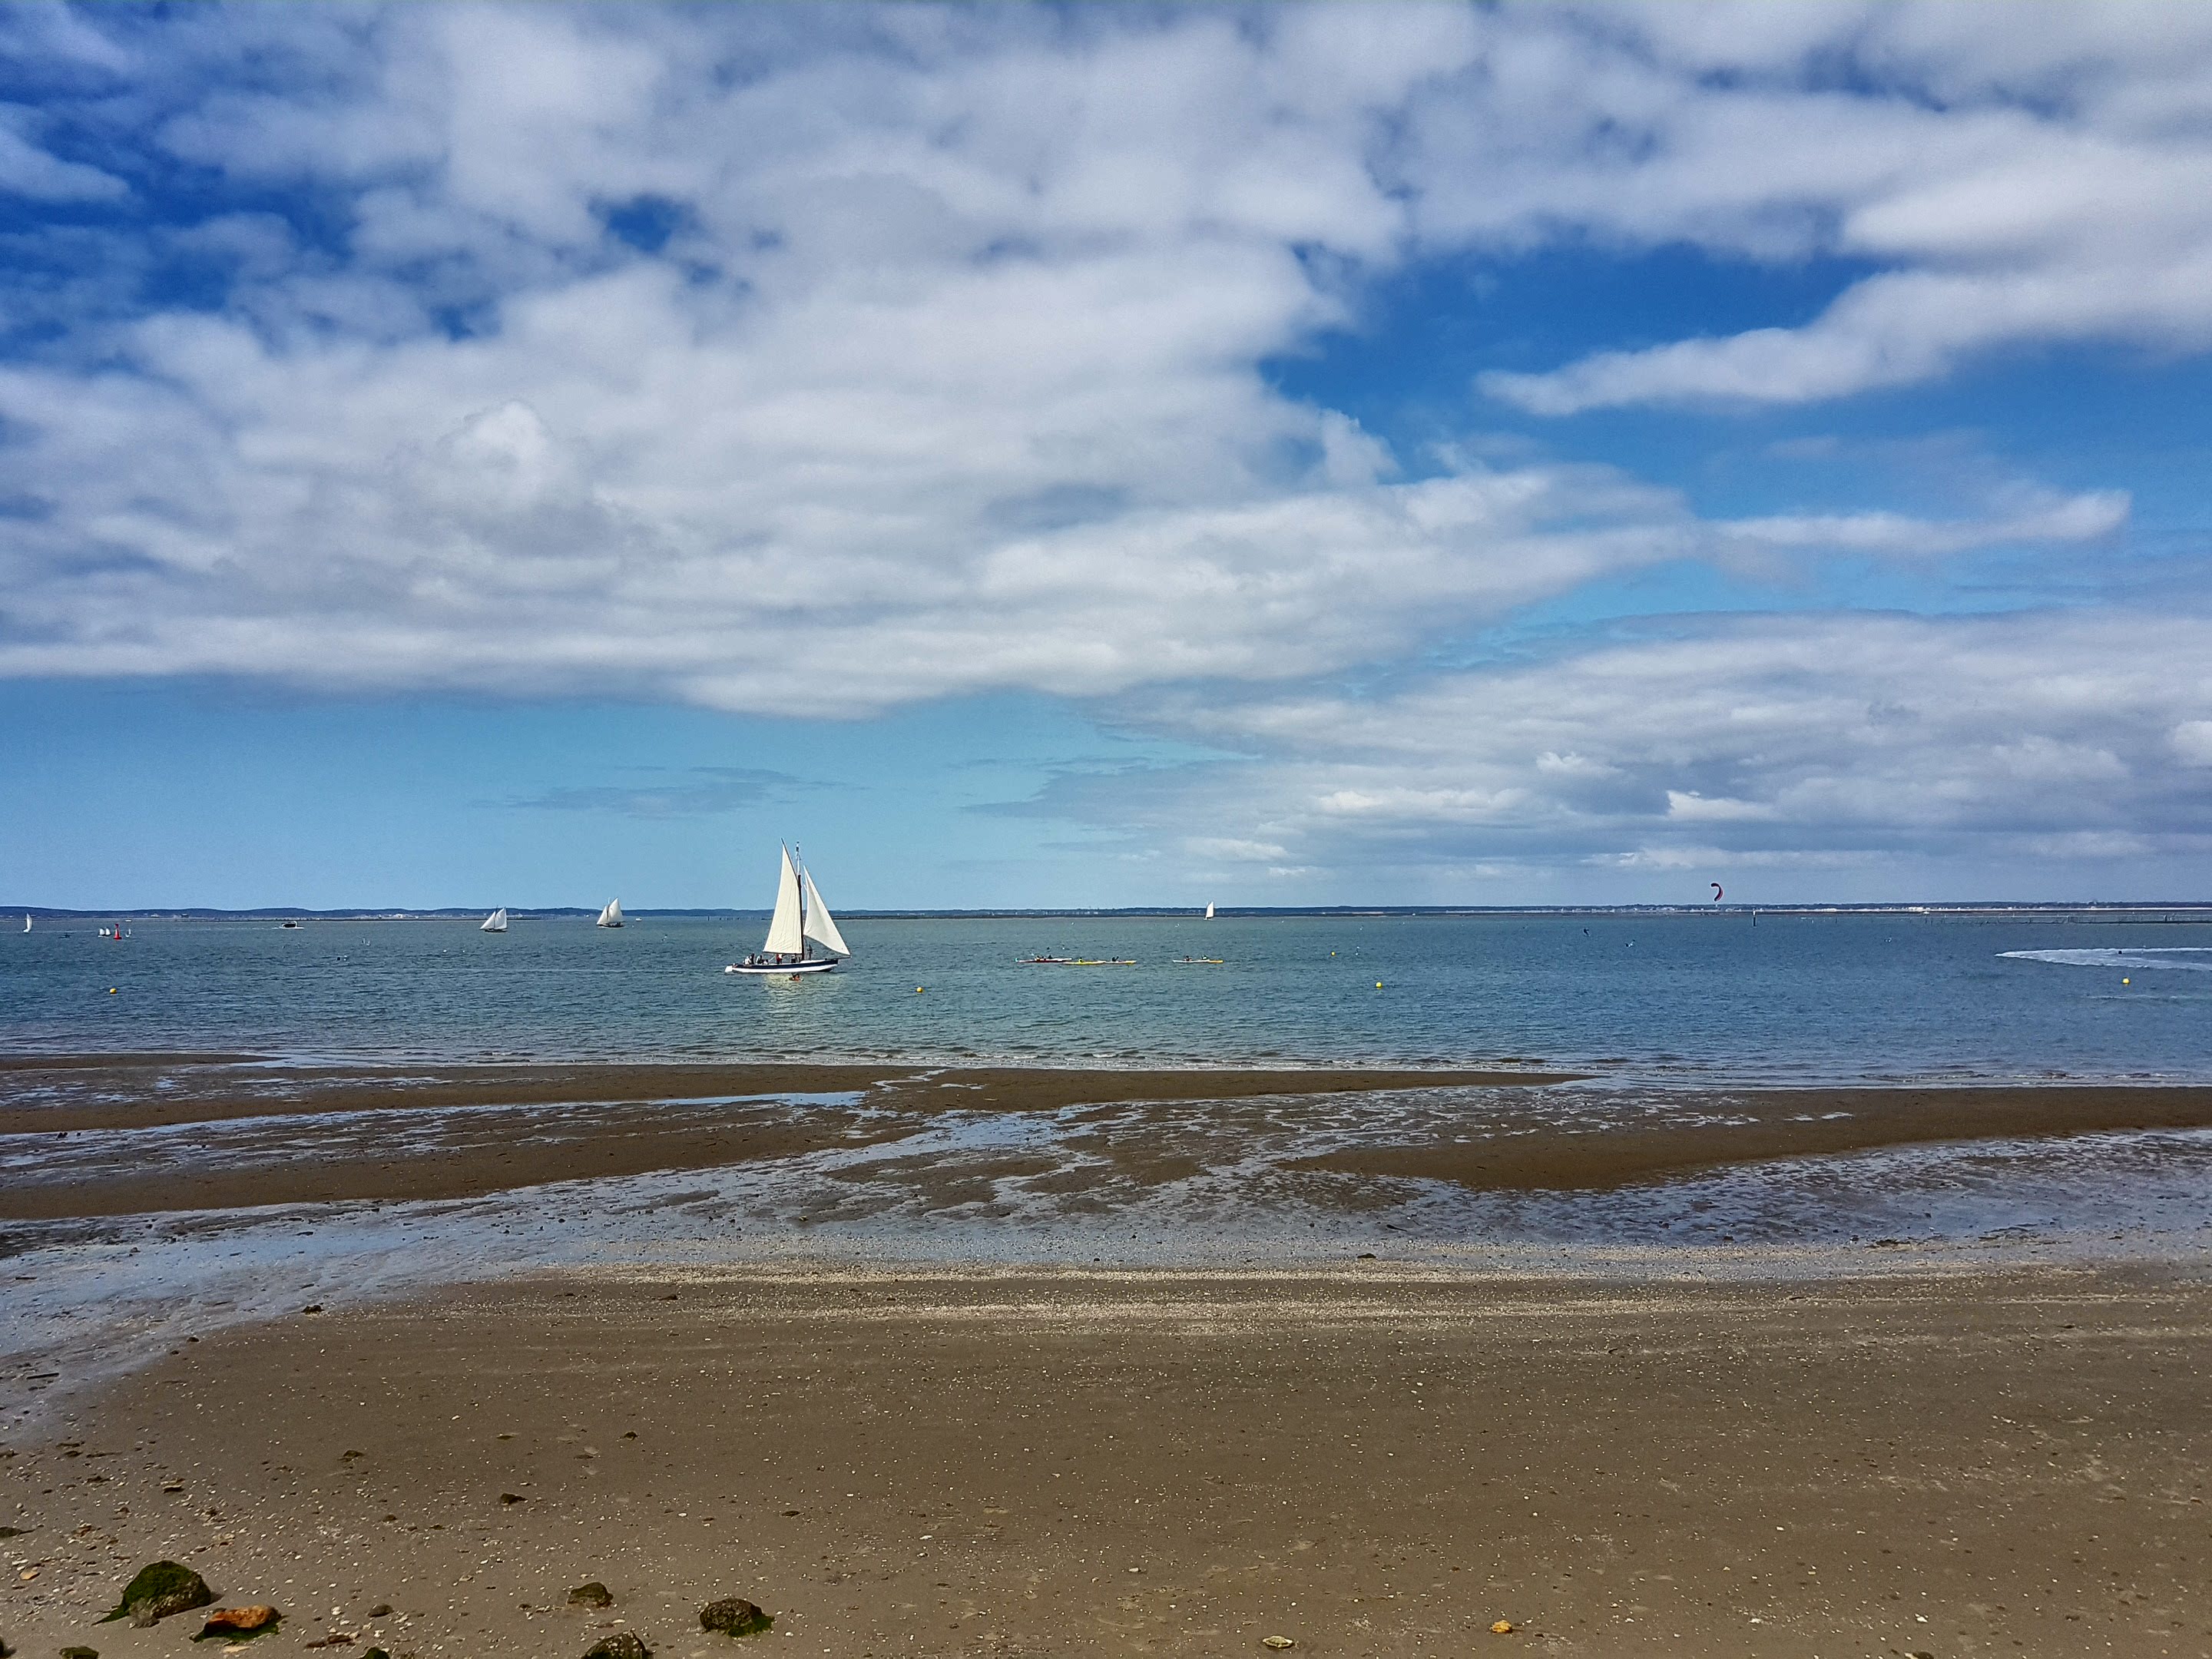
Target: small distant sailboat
[(801, 921), (1209, 909), (611, 916), (496, 922), (26, 921)]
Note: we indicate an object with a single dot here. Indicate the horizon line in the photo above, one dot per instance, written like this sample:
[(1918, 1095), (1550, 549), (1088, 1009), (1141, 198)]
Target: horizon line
[(456, 912)]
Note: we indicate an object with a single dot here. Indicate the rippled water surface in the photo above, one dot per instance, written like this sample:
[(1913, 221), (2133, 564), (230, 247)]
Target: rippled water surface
[(1698, 996)]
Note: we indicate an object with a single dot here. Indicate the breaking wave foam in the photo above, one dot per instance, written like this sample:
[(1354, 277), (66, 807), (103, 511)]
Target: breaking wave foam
[(2136, 957)]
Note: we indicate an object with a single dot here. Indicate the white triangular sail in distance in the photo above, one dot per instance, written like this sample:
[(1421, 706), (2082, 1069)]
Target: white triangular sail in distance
[(496, 922), (611, 916), (26, 921), (784, 938), (821, 927), (1209, 909)]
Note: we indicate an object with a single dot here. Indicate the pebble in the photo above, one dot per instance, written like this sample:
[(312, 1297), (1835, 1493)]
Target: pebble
[(1277, 1642), (259, 1616), (1502, 1627), (623, 1645), (593, 1594), (734, 1616)]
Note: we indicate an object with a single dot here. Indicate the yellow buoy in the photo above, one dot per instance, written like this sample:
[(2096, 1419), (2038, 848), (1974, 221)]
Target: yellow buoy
[(917, 990), (1378, 984), (111, 990), (2127, 982)]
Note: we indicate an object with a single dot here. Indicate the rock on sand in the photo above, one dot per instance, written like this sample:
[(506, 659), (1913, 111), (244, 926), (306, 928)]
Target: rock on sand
[(161, 1589)]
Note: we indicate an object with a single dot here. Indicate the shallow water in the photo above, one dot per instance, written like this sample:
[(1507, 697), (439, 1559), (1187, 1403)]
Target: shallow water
[(1709, 996), (1668, 1013)]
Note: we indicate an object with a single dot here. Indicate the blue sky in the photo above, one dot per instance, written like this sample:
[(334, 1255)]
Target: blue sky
[(1104, 456)]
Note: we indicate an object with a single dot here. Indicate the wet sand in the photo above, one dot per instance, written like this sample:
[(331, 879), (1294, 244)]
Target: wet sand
[(1370, 1460), (1751, 1127), (642, 1118), (374, 1140)]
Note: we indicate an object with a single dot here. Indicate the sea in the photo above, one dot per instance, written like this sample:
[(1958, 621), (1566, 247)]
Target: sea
[(1726, 995), (1661, 1016)]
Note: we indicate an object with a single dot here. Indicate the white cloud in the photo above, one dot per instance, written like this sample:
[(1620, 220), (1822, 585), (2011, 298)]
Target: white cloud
[(2046, 180), (951, 380), (1688, 807), (26, 169), (2193, 743), (1762, 741)]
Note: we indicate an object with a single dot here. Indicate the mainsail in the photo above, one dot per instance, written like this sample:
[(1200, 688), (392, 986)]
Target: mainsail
[(784, 937), (611, 916), (821, 927), (496, 922), (1209, 909)]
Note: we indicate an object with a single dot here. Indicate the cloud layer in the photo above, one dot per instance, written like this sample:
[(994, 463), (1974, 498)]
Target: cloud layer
[(1792, 745), (822, 361)]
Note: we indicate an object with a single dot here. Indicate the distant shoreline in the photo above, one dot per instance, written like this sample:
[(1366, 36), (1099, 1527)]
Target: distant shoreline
[(2178, 910)]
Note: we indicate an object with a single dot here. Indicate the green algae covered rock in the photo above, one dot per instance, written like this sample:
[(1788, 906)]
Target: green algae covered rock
[(159, 1590), (734, 1616)]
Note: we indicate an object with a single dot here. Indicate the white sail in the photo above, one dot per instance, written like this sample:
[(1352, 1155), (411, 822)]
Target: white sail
[(1209, 909), (496, 922), (783, 935), (821, 927), (611, 916), (26, 921)]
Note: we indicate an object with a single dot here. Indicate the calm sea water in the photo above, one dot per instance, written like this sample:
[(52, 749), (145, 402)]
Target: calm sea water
[(1694, 996)]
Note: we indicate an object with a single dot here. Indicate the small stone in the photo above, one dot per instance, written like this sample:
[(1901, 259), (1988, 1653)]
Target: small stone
[(80, 1653), (381, 1610), (510, 1497), (161, 1589), (1277, 1642), (1502, 1627), (312, 1306), (376, 1653), (623, 1645), (233, 1622), (593, 1594), (734, 1616)]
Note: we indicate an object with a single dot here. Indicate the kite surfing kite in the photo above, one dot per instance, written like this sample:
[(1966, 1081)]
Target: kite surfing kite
[(1717, 892)]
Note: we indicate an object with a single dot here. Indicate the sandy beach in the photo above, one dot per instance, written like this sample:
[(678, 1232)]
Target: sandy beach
[(1368, 1462), (931, 1431)]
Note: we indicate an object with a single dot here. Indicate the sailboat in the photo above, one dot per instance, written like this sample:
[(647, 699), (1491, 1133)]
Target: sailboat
[(1209, 909), (26, 921), (801, 921), (611, 916), (496, 922)]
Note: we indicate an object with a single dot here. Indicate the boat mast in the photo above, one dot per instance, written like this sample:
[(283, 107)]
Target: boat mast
[(805, 945)]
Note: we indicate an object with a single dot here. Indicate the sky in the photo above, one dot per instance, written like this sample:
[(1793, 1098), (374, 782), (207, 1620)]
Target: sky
[(1105, 455)]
